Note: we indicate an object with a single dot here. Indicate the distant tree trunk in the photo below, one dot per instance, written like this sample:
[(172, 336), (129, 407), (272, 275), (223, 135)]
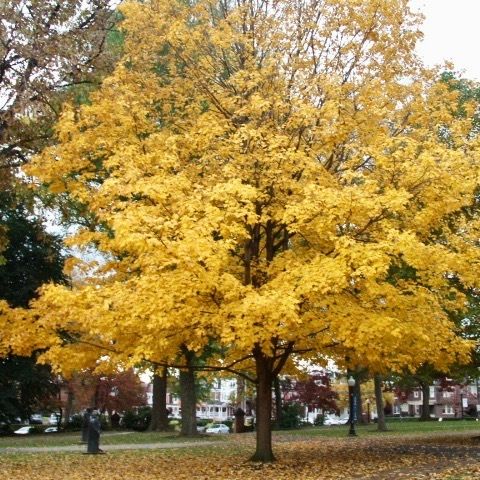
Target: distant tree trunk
[(381, 424), (278, 402), (358, 394), (159, 421), (425, 402), (263, 365), (188, 396), (69, 404), (241, 393)]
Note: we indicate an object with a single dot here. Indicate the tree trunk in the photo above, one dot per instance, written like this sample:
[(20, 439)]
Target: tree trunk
[(241, 393), (263, 365), (159, 421), (278, 402), (425, 402), (381, 425), (188, 398), (358, 395), (69, 404)]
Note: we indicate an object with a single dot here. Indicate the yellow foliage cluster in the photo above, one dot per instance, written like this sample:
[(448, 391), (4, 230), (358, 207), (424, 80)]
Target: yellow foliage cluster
[(267, 174)]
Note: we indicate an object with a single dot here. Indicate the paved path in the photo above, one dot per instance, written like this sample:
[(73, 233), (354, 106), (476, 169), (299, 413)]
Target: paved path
[(106, 448)]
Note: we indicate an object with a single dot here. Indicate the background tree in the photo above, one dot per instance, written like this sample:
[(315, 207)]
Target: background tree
[(25, 388), (379, 403), (159, 421), (46, 48), (314, 392), (50, 51), (119, 392), (116, 392), (31, 258)]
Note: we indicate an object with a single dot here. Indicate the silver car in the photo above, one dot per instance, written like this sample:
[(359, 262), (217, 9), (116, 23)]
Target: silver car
[(218, 428)]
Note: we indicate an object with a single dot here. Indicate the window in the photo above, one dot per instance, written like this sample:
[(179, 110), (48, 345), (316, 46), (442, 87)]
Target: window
[(416, 394), (447, 394), (432, 392), (448, 409)]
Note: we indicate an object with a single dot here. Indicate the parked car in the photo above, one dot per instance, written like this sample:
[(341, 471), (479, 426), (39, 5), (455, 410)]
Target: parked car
[(24, 430), (218, 428), (334, 421), (51, 430), (53, 420), (36, 419)]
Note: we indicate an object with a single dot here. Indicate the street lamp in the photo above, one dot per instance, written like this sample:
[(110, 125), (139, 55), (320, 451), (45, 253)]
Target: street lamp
[(352, 399)]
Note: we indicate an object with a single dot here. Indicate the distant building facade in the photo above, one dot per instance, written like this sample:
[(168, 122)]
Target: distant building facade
[(456, 401), (220, 406)]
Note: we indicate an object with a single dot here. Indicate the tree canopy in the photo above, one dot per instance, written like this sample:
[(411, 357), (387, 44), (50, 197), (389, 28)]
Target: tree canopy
[(46, 47)]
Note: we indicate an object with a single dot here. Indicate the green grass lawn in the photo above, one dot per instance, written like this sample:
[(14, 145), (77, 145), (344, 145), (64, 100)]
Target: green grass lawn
[(394, 427), (338, 431), (107, 438)]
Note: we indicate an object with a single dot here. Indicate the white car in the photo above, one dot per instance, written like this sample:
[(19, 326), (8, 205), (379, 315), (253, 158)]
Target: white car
[(334, 421), (218, 428), (51, 430), (53, 420), (24, 430), (36, 419)]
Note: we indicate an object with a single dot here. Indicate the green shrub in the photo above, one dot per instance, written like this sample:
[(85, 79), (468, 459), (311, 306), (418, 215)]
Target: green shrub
[(229, 424), (291, 415), (319, 420), (37, 429), (75, 423), (104, 422), (6, 429), (138, 419)]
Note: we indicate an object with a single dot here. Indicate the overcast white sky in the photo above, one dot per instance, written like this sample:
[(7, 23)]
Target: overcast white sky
[(452, 32)]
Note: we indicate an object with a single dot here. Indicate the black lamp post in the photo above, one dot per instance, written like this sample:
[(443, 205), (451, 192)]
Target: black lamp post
[(353, 409)]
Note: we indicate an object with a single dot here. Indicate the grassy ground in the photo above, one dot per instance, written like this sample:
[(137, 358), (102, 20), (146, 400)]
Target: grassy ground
[(396, 427), (338, 431), (107, 438)]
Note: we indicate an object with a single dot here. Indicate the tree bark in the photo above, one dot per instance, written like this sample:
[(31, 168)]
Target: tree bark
[(278, 403), (358, 394), (159, 421), (241, 393), (69, 405), (381, 425), (188, 398), (425, 402), (263, 451)]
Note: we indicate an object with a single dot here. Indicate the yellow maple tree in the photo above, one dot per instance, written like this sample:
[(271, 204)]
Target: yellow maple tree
[(283, 177)]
